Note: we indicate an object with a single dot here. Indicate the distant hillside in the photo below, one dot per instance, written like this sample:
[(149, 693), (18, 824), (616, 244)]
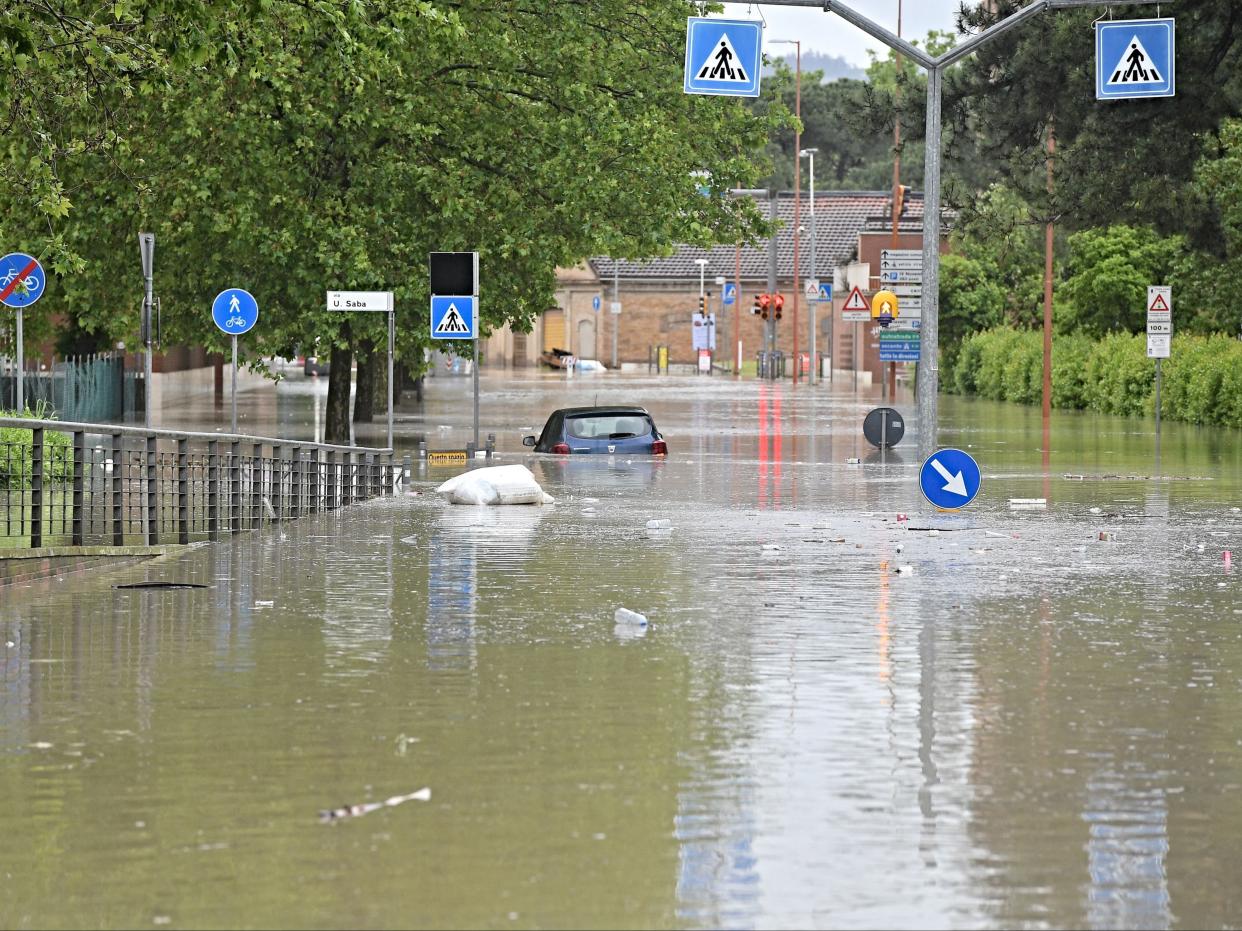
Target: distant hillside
[(833, 66)]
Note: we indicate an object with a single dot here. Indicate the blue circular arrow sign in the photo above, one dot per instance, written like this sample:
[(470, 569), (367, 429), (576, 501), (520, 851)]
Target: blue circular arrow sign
[(950, 479), (22, 280), (235, 311)]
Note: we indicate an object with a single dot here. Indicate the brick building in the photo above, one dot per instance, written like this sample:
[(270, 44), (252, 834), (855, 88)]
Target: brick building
[(659, 297)]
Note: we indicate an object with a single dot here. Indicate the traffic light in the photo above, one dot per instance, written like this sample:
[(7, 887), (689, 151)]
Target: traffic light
[(702, 305), (778, 302), (899, 201), (764, 302)]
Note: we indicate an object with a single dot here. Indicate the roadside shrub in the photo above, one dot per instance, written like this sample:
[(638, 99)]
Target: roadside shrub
[(996, 348), (1069, 370), (1024, 368), (966, 366), (16, 457), (1120, 377)]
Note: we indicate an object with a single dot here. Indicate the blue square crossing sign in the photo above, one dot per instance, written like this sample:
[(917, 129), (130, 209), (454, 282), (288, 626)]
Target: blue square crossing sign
[(1134, 58), (453, 317), (723, 56)]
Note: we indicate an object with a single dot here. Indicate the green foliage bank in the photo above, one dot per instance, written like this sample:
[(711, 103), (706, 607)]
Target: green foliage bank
[(1202, 380)]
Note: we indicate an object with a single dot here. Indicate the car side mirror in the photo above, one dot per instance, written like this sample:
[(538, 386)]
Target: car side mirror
[(528, 441)]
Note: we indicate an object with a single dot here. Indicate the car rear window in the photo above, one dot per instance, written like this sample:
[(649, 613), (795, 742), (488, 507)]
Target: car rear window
[(608, 426)]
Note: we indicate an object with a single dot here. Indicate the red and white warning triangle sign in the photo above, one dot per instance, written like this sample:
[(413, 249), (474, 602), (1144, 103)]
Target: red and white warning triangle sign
[(856, 301), (1159, 305)]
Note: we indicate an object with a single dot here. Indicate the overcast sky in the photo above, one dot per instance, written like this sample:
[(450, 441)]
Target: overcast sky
[(826, 32)]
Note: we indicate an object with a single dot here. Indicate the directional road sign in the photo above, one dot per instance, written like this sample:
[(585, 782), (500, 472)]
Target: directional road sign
[(730, 294), (723, 56), (900, 345), (452, 317), (1134, 58), (235, 311), (950, 479), (22, 280), (596, 303)]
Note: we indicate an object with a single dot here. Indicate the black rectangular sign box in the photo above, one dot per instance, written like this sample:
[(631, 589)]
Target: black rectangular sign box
[(454, 273)]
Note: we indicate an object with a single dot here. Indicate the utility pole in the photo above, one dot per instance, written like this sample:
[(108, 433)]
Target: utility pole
[(890, 377), (929, 370), (146, 249), (769, 325), (797, 226), (616, 300), (811, 303)]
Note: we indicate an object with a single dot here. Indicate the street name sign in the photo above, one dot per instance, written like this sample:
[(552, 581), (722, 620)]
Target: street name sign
[(724, 57), (235, 311), (360, 300), (950, 479), (453, 317), (22, 280), (856, 309), (1134, 58)]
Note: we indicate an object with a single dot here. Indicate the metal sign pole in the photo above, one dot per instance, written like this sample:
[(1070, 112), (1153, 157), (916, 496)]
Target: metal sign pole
[(475, 343), (234, 420), (21, 365), (928, 365), (1158, 361), (391, 333)]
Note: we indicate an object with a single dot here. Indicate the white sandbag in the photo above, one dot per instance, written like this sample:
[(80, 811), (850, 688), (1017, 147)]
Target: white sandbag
[(512, 484)]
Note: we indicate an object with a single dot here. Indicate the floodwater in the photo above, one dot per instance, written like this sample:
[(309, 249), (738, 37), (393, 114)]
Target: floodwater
[(1035, 728)]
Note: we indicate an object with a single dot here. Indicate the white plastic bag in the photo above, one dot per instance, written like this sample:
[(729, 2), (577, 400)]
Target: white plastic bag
[(512, 484)]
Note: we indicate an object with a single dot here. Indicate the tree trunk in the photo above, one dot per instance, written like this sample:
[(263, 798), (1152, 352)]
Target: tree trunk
[(336, 430), (364, 394)]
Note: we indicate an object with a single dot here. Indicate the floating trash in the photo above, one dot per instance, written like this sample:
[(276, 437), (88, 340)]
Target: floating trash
[(626, 616), (661, 524), (353, 811)]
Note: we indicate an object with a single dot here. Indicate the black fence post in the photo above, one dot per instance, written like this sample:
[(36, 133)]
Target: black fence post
[(36, 488), (295, 483), (183, 491), (213, 490), (256, 485), (152, 479), (118, 489), (79, 493), (235, 488)]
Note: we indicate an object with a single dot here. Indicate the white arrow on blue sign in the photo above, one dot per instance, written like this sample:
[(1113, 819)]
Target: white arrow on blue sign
[(950, 479), (22, 280), (596, 303), (1134, 58), (235, 311), (730, 294), (723, 56), (452, 317)]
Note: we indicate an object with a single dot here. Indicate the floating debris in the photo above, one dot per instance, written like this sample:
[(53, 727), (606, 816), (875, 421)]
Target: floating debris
[(626, 616), (661, 524), (329, 815)]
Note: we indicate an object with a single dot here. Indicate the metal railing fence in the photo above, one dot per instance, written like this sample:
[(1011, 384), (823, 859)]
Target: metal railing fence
[(94, 484)]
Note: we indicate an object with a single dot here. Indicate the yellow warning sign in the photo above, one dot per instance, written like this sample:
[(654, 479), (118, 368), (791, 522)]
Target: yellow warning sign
[(447, 457)]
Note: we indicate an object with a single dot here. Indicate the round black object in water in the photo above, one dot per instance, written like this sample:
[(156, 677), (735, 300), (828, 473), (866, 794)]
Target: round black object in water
[(884, 427), (159, 586)]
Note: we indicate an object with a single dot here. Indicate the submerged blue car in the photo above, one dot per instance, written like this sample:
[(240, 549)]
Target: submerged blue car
[(619, 430)]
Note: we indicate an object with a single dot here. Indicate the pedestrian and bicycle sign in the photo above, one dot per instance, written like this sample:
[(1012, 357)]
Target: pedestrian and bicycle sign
[(22, 280), (452, 317), (235, 311), (1134, 58), (723, 56), (950, 479)]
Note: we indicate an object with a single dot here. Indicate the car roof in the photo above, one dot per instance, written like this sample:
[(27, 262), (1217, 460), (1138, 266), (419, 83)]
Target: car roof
[(610, 409)]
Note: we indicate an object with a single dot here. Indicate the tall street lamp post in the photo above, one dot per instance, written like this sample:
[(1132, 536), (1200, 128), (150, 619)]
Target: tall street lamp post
[(797, 43)]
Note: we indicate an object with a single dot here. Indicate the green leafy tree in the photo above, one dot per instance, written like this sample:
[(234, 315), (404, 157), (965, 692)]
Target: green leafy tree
[(1109, 271), (972, 298), (335, 145)]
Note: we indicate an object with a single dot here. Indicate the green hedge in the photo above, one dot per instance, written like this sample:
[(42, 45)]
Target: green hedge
[(15, 454), (1202, 381)]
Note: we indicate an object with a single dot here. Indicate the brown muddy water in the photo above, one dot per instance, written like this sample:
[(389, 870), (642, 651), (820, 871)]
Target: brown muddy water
[(1035, 727)]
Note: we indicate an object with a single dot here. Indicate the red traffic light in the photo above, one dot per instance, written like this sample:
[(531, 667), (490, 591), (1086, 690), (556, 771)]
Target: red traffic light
[(778, 302)]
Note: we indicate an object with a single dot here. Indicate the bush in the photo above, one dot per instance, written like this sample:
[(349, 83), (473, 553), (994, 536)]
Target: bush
[(16, 458), (1202, 382)]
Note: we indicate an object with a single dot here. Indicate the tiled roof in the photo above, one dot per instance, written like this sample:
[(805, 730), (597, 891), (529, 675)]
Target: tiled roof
[(839, 217)]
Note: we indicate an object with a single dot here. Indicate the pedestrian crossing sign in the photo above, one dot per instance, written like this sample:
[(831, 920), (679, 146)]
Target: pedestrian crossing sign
[(453, 317), (1134, 58), (723, 56)]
